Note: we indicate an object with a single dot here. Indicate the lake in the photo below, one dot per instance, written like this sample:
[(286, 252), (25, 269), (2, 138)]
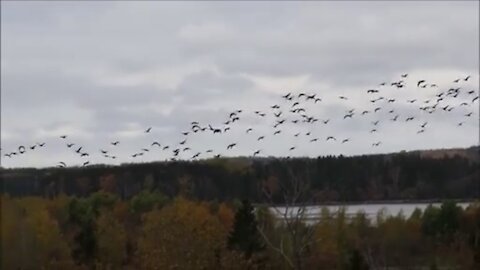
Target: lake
[(371, 209)]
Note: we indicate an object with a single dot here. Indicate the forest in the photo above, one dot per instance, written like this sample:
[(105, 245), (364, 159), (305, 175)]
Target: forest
[(215, 214), (154, 231), (398, 176)]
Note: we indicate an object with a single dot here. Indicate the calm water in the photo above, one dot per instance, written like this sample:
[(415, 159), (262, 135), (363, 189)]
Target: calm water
[(371, 210)]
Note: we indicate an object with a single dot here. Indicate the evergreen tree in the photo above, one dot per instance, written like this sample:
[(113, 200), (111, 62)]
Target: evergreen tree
[(356, 261), (245, 236)]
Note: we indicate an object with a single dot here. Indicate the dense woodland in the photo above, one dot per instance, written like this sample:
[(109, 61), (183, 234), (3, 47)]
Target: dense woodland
[(153, 231), (401, 176), (199, 215)]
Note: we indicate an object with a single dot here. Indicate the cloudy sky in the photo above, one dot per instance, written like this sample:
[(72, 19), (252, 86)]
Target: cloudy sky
[(105, 71)]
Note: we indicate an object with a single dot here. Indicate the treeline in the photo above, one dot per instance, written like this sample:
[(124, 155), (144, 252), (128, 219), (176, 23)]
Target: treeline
[(402, 176), (153, 231)]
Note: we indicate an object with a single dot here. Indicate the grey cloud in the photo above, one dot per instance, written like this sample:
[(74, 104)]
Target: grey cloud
[(205, 85)]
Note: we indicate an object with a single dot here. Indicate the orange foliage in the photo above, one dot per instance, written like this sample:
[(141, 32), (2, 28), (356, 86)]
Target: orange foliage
[(226, 216), (184, 235)]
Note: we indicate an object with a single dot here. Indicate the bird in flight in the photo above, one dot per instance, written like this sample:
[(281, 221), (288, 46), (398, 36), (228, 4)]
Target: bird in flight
[(230, 146), (214, 130), (311, 97), (331, 138), (148, 130)]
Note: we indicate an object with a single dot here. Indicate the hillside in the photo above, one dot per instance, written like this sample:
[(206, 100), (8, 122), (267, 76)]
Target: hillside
[(432, 174)]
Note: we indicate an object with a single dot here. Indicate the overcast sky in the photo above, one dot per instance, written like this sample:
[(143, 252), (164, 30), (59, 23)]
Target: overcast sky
[(105, 71)]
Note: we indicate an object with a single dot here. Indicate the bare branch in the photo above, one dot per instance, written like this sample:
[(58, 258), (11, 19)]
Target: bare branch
[(279, 250)]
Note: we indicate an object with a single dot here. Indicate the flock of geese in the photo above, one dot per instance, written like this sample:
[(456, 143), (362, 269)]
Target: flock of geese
[(293, 111)]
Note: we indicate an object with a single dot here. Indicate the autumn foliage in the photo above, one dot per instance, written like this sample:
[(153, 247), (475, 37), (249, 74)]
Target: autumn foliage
[(156, 232)]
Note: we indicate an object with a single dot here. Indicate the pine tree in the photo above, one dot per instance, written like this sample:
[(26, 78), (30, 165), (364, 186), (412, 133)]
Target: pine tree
[(245, 236)]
